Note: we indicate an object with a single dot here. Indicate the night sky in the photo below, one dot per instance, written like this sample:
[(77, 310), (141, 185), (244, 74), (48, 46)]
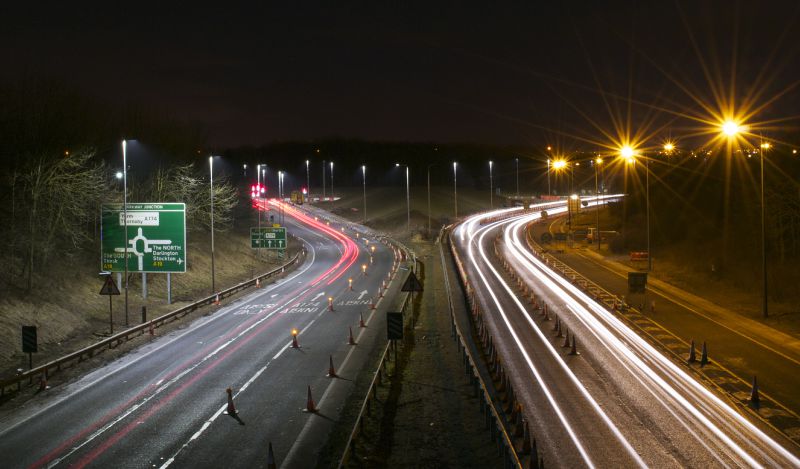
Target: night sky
[(520, 73)]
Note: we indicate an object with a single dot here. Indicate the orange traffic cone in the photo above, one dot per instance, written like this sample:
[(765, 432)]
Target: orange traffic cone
[(372, 303), (258, 285), (294, 339), (566, 338), (152, 329), (361, 320), (351, 340), (692, 356), (231, 410), (271, 464), (310, 406), (331, 370), (216, 299)]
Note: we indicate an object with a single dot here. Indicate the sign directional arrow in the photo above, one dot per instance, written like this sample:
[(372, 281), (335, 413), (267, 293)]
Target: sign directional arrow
[(318, 295), (362, 294)]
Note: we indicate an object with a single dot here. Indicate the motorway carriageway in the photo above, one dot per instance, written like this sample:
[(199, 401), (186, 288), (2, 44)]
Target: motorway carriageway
[(163, 403), (621, 402)]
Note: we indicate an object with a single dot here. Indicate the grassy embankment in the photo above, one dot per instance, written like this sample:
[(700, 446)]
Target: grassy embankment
[(70, 314)]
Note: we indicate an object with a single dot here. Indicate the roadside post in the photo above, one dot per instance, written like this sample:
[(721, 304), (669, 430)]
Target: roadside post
[(29, 343), (394, 330), (109, 288), (412, 285)]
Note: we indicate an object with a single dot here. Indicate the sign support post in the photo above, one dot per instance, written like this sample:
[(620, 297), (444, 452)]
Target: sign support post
[(109, 288)]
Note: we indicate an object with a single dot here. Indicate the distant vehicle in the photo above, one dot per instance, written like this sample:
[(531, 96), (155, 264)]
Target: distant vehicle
[(297, 198), (604, 235)]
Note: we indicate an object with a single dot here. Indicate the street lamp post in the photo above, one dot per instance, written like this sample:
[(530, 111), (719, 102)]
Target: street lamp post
[(429, 198), (455, 189), (647, 211), (125, 218), (364, 180), (548, 170), (280, 191), (408, 196), (629, 154), (597, 163), (332, 196), (308, 179), (765, 303), (323, 179), (548, 177), (211, 176), (491, 193)]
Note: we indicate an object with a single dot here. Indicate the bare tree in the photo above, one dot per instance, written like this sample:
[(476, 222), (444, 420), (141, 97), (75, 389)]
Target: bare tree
[(184, 183), (59, 195)]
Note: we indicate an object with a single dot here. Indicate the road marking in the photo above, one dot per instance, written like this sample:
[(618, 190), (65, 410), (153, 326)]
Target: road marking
[(216, 414), (680, 303), (198, 323)]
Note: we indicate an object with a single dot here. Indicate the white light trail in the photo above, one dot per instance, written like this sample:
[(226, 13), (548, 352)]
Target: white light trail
[(545, 389), (642, 360)]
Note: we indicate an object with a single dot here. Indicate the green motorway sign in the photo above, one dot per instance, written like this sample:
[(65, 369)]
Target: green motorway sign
[(156, 237), (268, 238)]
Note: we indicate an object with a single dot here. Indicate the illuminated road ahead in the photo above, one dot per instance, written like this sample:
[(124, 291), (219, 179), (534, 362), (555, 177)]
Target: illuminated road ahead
[(620, 403), (163, 404)]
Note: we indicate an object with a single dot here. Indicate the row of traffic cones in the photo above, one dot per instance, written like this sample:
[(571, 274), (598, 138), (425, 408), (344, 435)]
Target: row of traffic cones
[(755, 397), (693, 357), (350, 340)]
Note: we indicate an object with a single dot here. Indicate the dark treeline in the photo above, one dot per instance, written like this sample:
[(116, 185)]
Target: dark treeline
[(57, 143)]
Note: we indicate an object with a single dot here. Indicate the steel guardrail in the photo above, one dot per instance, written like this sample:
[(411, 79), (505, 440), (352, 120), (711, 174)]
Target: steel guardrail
[(507, 441), (140, 329)]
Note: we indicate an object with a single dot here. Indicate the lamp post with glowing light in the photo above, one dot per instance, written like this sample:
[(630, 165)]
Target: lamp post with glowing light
[(364, 180), (629, 154), (125, 218), (557, 165), (308, 178), (597, 162), (332, 196), (731, 129), (211, 180), (408, 195), (549, 159), (765, 304), (491, 194)]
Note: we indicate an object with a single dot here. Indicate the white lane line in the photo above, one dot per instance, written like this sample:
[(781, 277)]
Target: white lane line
[(198, 323), (162, 388), (545, 389), (686, 382), (216, 414)]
